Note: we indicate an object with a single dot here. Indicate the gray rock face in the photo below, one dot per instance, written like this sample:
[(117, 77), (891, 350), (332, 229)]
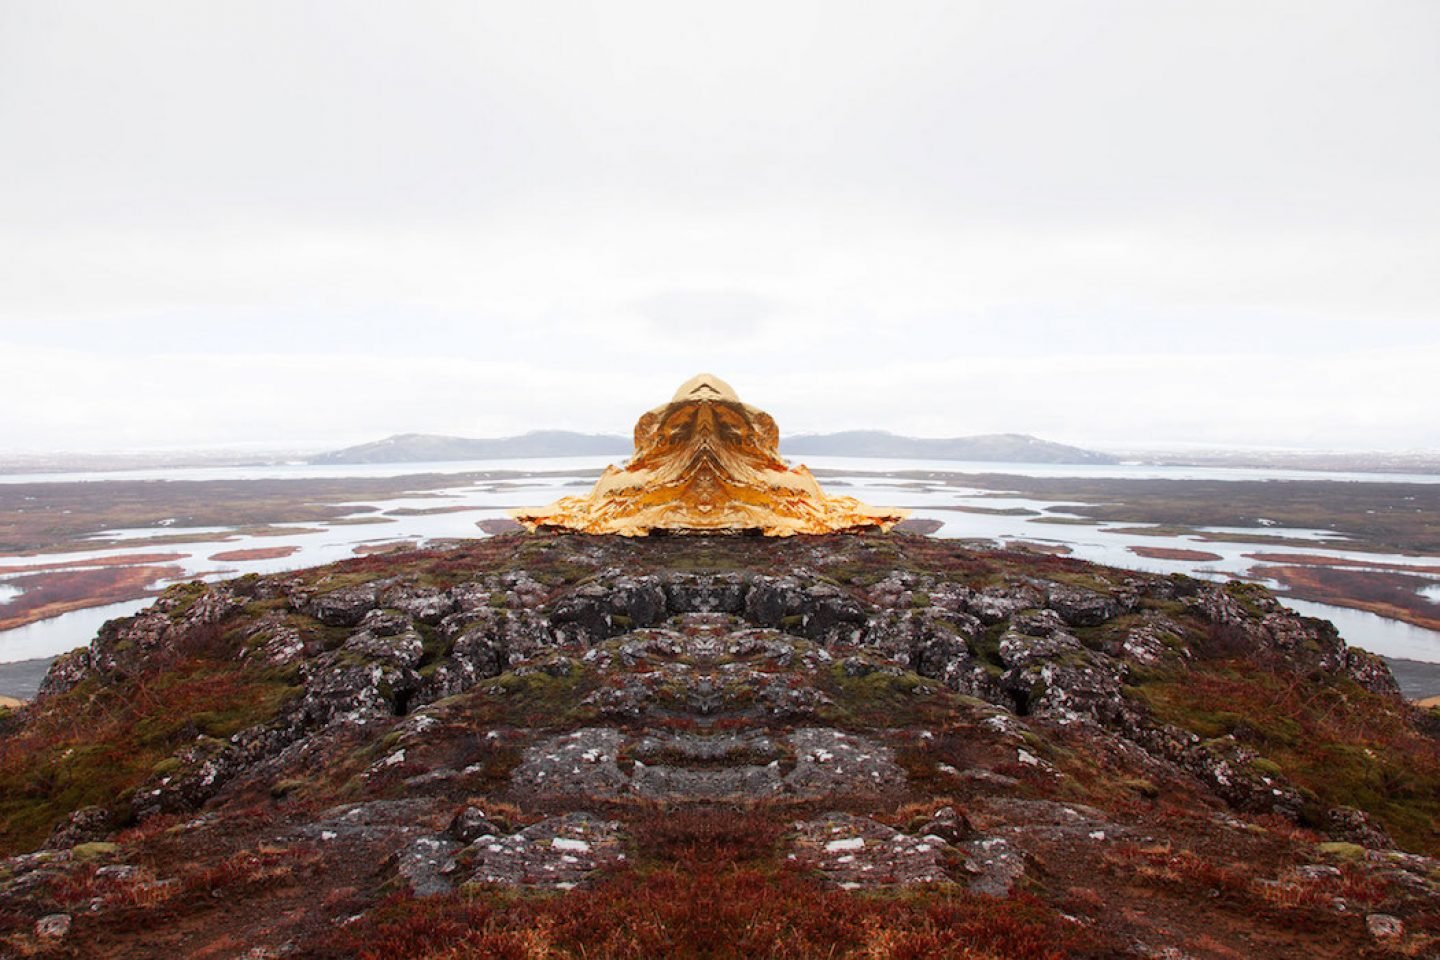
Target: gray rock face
[(1356, 826), (1079, 607), (366, 822), (719, 593), (470, 824), (999, 604), (810, 762), (856, 852), (342, 608), (53, 926), (399, 647), (423, 864), (994, 865), (1384, 927), (83, 826), (560, 852), (1370, 671), (640, 600), (772, 599), (65, 672), (274, 641), (427, 607), (829, 762), (739, 782), (583, 763)]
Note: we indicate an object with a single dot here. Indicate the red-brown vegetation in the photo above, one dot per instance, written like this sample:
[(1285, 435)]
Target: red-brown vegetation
[(1034, 546), (99, 741), (108, 560), (1314, 560), (256, 553), (1173, 553), (389, 546), (705, 884), (1343, 744), (1389, 594), (51, 594)]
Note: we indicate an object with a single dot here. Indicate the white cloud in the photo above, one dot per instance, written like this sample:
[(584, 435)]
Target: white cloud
[(288, 401), (310, 223)]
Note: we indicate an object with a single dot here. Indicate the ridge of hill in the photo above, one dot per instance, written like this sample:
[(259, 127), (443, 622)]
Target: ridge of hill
[(1001, 447), (841, 746)]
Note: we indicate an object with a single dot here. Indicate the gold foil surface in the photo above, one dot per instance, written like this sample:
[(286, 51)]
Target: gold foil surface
[(707, 463)]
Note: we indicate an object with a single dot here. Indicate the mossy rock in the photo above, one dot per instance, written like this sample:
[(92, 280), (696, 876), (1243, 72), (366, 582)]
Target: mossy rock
[(1267, 767), (1141, 786), (168, 765), (283, 788), (94, 850), (1339, 850)]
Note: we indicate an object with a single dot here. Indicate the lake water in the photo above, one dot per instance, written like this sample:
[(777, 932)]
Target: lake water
[(934, 490)]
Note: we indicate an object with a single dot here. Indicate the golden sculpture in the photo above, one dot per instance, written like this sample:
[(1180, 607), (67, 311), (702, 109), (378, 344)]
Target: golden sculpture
[(707, 463)]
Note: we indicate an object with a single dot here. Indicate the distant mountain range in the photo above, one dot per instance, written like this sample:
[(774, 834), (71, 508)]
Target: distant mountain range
[(996, 447), (1002, 447)]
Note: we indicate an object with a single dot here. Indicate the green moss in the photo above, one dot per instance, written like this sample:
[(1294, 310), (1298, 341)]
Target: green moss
[(183, 596), (1337, 850), (95, 743), (1340, 744), (986, 648), (886, 697), (167, 766), (1140, 786), (539, 698), (434, 646), (1267, 767), (284, 788), (93, 850), (1251, 596), (1085, 580)]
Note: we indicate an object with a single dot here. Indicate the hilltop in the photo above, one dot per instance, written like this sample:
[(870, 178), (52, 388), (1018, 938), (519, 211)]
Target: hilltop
[(840, 746)]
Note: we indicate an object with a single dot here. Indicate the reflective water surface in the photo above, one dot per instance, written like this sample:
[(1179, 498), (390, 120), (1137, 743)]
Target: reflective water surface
[(932, 489)]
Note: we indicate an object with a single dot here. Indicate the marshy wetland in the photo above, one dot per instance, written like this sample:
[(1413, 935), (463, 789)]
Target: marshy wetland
[(1361, 549)]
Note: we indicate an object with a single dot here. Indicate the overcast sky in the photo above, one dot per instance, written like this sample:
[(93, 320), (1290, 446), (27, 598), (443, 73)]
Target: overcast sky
[(304, 224)]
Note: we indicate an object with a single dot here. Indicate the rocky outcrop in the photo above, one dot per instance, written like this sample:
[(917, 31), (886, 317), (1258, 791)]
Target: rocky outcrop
[(900, 713), (725, 639)]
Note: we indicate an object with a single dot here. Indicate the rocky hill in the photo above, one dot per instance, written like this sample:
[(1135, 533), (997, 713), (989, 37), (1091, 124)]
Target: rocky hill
[(844, 746), (985, 448), (427, 447), (1000, 448)]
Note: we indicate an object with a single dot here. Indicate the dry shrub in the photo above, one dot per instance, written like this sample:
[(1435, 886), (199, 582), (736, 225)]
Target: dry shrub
[(733, 914)]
